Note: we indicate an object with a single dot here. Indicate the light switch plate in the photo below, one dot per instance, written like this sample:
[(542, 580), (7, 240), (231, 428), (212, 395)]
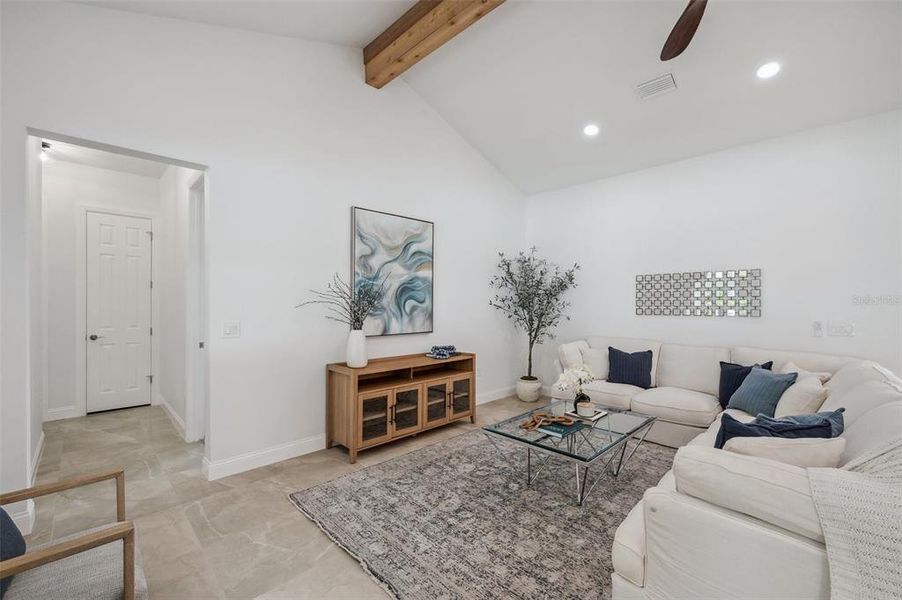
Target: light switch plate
[(231, 329)]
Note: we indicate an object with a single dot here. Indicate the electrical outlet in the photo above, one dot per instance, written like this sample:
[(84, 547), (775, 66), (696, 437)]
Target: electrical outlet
[(841, 329), (817, 329), (231, 329)]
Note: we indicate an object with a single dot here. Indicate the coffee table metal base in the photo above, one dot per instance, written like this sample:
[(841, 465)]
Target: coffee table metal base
[(613, 461)]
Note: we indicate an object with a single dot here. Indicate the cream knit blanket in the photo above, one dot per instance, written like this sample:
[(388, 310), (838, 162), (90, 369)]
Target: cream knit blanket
[(860, 510)]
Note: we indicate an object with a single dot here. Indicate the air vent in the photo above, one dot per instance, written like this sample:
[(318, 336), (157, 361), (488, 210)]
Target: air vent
[(656, 87)]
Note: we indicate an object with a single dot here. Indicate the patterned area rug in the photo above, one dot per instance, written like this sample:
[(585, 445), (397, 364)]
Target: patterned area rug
[(456, 520)]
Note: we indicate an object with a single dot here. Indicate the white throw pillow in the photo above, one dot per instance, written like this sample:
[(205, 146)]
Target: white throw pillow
[(801, 452), (791, 367), (596, 361), (803, 397), (569, 354)]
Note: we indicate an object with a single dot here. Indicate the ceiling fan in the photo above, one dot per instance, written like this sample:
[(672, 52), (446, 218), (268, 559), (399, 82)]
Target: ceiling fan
[(682, 32)]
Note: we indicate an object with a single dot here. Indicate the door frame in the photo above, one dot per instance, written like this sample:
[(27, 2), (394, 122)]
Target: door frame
[(197, 363), (81, 304)]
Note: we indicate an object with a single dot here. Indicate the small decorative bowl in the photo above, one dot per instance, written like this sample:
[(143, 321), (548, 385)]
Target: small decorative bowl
[(585, 409)]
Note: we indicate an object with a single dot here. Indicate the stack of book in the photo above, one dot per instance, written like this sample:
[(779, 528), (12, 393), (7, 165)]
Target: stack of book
[(559, 430)]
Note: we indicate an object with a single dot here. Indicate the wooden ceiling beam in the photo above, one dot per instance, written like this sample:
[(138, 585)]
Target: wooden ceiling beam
[(418, 33)]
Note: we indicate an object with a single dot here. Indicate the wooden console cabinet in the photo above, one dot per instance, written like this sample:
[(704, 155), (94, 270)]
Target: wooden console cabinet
[(395, 397)]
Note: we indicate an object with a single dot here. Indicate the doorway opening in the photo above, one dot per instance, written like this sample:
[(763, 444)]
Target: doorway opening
[(122, 271)]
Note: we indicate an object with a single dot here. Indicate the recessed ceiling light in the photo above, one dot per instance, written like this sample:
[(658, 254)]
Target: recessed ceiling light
[(768, 70), (591, 130)]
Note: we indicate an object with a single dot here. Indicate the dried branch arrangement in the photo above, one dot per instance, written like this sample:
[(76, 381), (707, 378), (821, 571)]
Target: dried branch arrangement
[(346, 304)]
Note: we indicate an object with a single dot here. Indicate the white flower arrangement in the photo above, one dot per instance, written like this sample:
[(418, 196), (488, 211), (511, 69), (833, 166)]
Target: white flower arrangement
[(573, 379)]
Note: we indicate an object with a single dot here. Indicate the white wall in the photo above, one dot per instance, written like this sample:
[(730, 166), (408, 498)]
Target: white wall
[(292, 137), (170, 252), (36, 317), (818, 212), (69, 189)]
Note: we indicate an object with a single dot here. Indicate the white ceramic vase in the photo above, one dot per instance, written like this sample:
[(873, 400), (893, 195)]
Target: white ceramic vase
[(356, 349), (529, 390)]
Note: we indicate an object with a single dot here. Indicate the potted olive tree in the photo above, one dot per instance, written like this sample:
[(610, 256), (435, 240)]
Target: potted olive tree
[(351, 307), (531, 294)]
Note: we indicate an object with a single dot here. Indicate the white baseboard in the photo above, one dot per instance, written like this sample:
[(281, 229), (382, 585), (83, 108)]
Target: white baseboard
[(260, 458), (177, 421), (483, 397), (36, 459), (63, 412), (218, 469), (22, 514)]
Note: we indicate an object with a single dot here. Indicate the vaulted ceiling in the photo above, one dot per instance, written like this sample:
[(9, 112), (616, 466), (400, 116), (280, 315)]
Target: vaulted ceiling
[(521, 84)]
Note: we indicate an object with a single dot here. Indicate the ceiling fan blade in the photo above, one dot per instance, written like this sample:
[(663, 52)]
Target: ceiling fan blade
[(684, 29)]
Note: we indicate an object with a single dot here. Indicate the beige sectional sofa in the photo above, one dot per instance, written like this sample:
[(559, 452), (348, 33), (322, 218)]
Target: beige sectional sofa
[(685, 380), (726, 525)]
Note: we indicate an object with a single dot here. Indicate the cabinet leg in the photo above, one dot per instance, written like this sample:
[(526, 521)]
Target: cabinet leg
[(352, 456), (472, 418), (329, 443)]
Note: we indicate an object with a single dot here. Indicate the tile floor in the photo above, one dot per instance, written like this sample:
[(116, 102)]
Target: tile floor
[(237, 537)]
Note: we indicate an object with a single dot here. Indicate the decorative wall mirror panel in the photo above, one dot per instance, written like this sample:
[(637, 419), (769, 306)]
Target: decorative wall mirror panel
[(728, 293)]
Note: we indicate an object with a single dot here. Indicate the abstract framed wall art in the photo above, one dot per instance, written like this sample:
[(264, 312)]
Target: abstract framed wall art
[(397, 252), (727, 293)]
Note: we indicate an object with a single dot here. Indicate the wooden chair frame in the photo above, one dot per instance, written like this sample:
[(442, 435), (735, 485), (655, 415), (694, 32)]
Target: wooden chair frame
[(122, 530)]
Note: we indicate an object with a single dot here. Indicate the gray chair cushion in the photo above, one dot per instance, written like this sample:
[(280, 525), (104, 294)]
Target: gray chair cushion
[(92, 575)]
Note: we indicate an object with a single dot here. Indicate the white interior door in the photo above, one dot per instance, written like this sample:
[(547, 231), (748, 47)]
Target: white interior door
[(118, 306)]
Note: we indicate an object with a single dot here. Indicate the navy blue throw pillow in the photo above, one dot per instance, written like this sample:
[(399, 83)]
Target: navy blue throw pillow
[(837, 423), (732, 376), (632, 369), (782, 428), (12, 544)]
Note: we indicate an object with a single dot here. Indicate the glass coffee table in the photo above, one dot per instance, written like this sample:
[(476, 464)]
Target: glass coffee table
[(601, 443)]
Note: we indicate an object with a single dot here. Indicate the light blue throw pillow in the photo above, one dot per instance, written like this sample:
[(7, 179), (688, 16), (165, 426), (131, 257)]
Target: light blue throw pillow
[(761, 391)]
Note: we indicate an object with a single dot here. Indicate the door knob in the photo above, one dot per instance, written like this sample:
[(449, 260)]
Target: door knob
[(94, 337)]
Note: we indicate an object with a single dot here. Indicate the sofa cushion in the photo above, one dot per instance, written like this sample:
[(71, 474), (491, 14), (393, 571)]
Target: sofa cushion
[(630, 345), (761, 391), (691, 367), (809, 361), (774, 492), (677, 405), (805, 396), (628, 549), (611, 395), (732, 376), (853, 375), (667, 482), (813, 452), (596, 361), (791, 367), (861, 399), (630, 368), (872, 429), (570, 355)]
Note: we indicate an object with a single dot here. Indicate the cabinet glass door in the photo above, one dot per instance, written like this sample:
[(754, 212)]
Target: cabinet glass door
[(375, 414), (461, 396), (406, 411), (436, 403)]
